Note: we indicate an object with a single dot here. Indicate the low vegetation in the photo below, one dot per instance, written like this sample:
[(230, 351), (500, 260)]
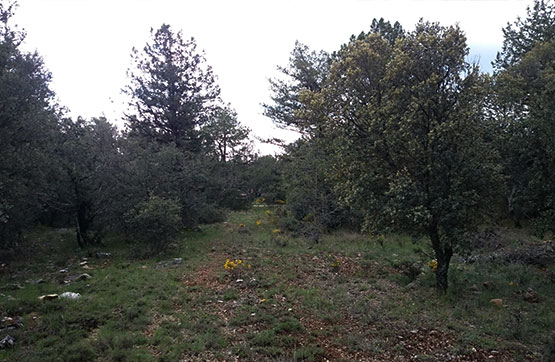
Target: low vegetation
[(241, 291)]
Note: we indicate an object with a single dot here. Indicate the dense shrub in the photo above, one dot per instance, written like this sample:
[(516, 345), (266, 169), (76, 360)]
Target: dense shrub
[(156, 221)]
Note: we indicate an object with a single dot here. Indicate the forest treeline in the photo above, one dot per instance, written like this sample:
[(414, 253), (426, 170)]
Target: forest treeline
[(399, 133)]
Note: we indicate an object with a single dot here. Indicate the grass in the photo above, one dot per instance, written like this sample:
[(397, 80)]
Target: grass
[(347, 298)]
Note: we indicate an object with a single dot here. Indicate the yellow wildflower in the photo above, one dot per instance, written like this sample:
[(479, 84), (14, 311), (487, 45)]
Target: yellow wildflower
[(268, 212), (276, 231), (433, 265), (258, 222), (241, 225)]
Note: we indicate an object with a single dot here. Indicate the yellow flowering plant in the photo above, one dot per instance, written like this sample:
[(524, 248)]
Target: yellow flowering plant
[(433, 265), (236, 266), (233, 264)]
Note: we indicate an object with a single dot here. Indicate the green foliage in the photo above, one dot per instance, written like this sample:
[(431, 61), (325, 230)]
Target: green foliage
[(27, 125), (87, 161), (404, 130), (264, 176), (156, 221), (314, 206), (524, 34), (306, 71), (226, 139), (523, 108), (172, 91)]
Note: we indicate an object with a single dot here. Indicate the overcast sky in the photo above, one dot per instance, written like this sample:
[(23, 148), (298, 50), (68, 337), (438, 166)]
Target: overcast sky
[(86, 44)]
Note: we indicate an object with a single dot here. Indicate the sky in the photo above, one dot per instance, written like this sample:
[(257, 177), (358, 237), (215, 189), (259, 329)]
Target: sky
[(86, 44)]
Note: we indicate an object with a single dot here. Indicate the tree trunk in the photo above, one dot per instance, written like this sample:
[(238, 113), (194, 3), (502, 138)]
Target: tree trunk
[(443, 257), (79, 236)]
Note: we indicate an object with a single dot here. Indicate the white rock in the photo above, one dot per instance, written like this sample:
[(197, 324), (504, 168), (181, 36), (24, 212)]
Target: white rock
[(70, 295)]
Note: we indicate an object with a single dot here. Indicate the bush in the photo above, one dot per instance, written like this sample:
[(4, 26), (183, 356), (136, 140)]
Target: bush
[(156, 221)]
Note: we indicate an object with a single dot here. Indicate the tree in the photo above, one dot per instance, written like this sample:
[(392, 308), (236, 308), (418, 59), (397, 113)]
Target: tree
[(306, 71), (406, 135), (310, 194), (88, 161), (226, 138), (28, 124), (523, 35), (264, 176), (524, 114), (172, 91)]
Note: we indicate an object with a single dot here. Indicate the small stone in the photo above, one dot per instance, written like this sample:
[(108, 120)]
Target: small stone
[(239, 281), (70, 295), (11, 323), (7, 342), (103, 255), (48, 296), (498, 302), (473, 350), (414, 331), (14, 286), (531, 296), (62, 271), (83, 276)]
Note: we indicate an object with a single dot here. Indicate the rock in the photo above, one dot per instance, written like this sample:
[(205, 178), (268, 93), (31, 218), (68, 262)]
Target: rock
[(497, 302), (48, 297), (168, 263), (7, 342), (63, 271), (531, 296), (14, 286), (11, 323), (83, 263), (103, 255), (70, 295), (244, 231), (83, 276), (39, 281), (474, 288)]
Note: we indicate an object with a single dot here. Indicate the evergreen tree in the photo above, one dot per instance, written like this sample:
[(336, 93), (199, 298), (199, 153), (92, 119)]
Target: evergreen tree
[(523, 110), (172, 91), (28, 124)]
